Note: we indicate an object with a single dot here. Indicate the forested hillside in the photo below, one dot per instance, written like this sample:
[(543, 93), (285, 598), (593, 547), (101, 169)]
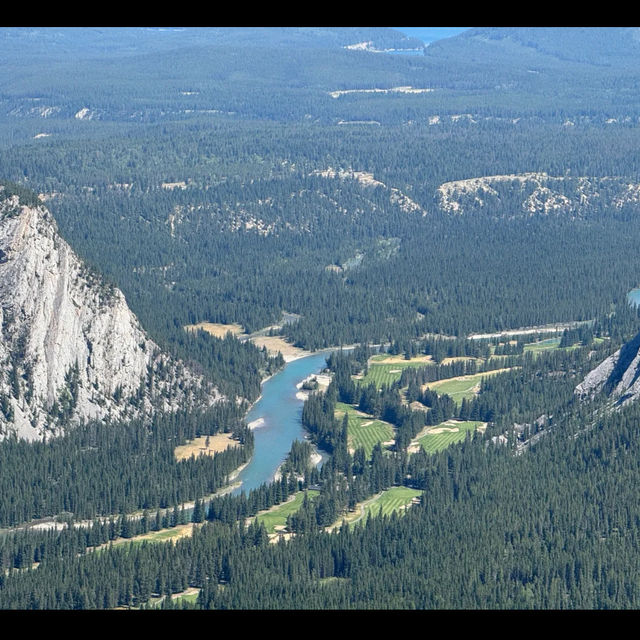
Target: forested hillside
[(239, 224), (330, 187)]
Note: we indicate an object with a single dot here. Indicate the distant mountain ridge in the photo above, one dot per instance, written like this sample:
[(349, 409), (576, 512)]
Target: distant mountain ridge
[(67, 75), (107, 42), (546, 46)]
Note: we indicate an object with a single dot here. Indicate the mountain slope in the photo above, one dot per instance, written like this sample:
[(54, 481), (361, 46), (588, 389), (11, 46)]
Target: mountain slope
[(71, 349), (544, 46)]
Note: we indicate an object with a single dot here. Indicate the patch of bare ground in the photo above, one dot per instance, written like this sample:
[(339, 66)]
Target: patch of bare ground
[(205, 445), (277, 344), (216, 329)]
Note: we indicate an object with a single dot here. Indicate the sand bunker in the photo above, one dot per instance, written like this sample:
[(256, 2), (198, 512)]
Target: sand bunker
[(443, 429)]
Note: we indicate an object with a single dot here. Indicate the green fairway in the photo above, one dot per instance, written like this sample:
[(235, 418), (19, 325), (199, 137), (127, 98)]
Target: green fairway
[(395, 499), (462, 386), (277, 516), (447, 433), (542, 345), (364, 431), (164, 535), (554, 343), (384, 369)]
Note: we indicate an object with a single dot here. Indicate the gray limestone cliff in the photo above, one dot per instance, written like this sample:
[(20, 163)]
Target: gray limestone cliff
[(70, 347), (618, 376)]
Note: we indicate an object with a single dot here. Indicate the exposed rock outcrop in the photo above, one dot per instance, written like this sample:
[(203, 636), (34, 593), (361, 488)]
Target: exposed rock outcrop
[(71, 349), (528, 194), (618, 376)]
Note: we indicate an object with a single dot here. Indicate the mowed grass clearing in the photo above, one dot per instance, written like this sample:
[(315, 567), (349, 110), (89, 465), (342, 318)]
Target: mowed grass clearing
[(278, 514), (172, 534), (386, 369), (363, 430), (542, 345), (554, 343), (437, 438), (462, 386), (395, 499)]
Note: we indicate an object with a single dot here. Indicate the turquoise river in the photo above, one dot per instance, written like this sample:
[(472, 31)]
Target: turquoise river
[(277, 419)]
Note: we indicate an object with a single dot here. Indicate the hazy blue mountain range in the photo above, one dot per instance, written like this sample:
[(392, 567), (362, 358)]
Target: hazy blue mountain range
[(544, 46), (328, 75), (92, 42)]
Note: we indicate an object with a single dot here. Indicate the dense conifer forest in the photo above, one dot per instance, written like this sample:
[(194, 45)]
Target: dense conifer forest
[(399, 203)]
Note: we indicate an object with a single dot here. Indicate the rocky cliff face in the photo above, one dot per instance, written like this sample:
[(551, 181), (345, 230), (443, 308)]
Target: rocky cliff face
[(71, 349), (618, 375)]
